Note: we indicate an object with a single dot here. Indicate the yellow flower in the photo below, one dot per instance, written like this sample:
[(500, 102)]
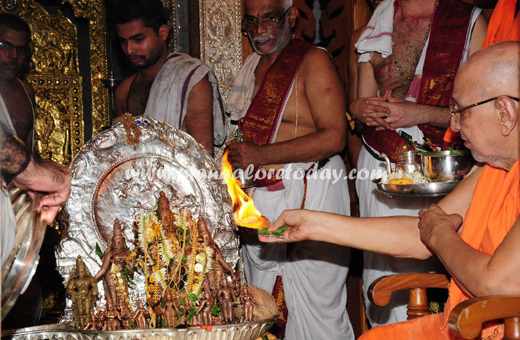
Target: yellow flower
[(131, 256)]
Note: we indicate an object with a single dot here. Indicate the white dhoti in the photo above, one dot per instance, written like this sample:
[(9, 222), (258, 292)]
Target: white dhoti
[(373, 203), (314, 274)]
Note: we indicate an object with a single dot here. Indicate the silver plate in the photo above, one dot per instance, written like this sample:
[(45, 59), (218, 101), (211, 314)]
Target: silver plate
[(433, 189), (242, 331), (21, 263), (111, 179)]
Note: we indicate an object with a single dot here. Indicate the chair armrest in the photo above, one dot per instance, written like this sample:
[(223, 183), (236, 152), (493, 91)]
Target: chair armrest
[(467, 317), (380, 291)]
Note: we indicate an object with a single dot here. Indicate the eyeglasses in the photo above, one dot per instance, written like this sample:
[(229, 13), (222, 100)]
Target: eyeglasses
[(8, 47), (456, 112), (250, 23)]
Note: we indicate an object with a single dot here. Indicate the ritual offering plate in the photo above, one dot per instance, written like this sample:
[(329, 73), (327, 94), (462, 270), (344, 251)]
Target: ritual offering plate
[(424, 174), (429, 189)]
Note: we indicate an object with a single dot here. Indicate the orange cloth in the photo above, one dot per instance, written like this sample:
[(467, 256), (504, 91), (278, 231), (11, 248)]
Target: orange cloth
[(493, 210), (503, 26)]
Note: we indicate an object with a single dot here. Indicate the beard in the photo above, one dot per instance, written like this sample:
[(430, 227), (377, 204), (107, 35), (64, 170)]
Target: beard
[(281, 41), (10, 70), (154, 57)]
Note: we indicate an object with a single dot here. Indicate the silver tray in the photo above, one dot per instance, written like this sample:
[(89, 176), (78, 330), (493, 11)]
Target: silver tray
[(111, 179), (242, 331), (433, 189), (21, 263)]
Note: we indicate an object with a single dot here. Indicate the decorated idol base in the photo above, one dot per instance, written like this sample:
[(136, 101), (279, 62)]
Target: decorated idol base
[(241, 331)]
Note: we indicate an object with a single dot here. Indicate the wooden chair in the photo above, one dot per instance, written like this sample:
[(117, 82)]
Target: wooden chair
[(380, 291), (467, 317)]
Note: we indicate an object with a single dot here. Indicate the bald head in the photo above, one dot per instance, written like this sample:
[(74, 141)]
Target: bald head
[(492, 71), (287, 3), (486, 91)]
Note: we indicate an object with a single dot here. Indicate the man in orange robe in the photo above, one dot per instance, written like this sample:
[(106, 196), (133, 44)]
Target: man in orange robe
[(482, 250)]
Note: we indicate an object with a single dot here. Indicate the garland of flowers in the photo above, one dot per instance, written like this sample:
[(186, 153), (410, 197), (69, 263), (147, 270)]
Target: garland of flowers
[(178, 260)]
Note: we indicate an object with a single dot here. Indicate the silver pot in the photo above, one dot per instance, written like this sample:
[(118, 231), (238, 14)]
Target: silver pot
[(409, 161), (446, 167)]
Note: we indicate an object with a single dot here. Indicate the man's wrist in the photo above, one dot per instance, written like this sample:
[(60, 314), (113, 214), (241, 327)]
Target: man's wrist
[(23, 166), (440, 238), (14, 158)]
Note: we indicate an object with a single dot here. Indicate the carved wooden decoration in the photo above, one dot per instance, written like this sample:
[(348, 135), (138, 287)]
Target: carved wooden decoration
[(220, 39)]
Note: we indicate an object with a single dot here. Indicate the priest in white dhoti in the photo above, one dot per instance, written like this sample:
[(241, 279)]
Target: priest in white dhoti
[(289, 104)]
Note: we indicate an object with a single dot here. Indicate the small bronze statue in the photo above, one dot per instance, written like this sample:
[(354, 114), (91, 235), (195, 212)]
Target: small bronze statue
[(116, 253), (204, 310), (127, 317), (140, 316), (112, 315), (170, 310), (165, 214), (247, 301), (226, 297), (82, 289)]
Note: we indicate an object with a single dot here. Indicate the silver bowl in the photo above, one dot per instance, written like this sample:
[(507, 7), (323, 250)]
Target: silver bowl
[(446, 167)]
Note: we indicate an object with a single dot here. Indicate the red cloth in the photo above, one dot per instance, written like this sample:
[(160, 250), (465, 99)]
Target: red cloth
[(263, 117), (449, 32), (503, 26)]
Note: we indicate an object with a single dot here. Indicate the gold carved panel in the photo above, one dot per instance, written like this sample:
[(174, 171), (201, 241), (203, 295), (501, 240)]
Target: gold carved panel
[(54, 74), (173, 21), (94, 11), (54, 58), (221, 40)]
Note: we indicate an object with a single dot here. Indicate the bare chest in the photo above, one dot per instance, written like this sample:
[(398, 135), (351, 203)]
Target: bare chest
[(138, 95), (409, 38), (296, 118), (20, 110)]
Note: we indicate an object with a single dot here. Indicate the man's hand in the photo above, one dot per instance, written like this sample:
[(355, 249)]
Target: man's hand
[(301, 225), (397, 112), (370, 113), (241, 155), (400, 114), (403, 114), (434, 223), (49, 178)]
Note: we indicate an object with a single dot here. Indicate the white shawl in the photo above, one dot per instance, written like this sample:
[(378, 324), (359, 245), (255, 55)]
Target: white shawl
[(170, 91)]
